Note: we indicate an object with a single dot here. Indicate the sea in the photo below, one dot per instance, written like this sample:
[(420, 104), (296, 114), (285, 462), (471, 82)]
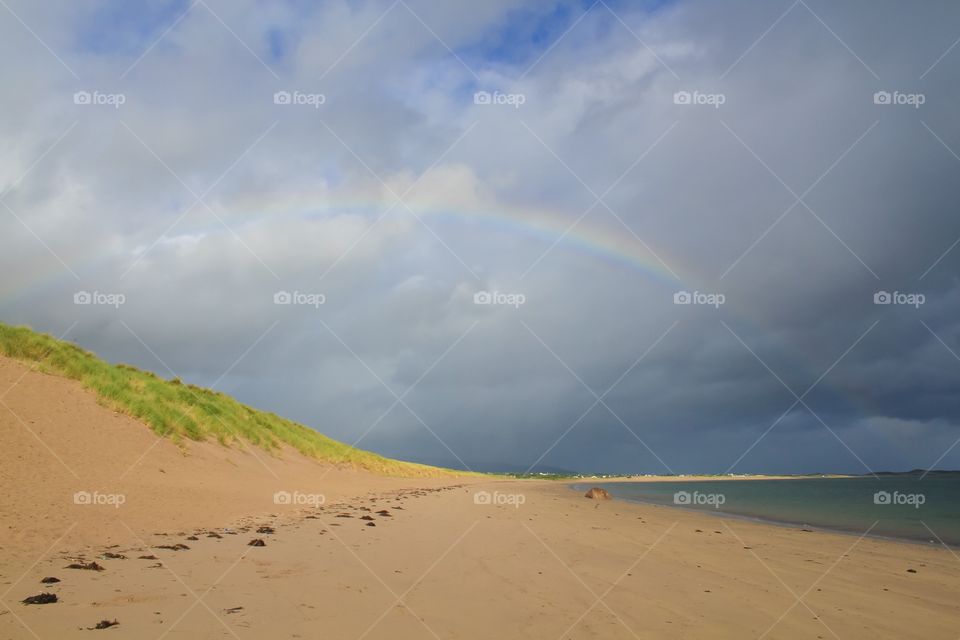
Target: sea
[(907, 506)]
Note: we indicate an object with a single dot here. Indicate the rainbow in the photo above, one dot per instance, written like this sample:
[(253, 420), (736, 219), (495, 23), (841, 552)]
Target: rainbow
[(610, 244)]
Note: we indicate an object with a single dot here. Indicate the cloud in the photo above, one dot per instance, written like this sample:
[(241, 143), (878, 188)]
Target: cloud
[(390, 191)]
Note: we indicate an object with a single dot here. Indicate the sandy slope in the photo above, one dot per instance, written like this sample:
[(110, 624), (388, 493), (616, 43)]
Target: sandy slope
[(56, 440), (439, 565)]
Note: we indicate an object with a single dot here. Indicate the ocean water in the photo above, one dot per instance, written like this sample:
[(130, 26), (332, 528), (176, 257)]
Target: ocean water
[(899, 506)]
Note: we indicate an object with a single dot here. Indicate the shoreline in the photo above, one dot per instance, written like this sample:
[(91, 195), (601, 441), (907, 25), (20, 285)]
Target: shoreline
[(706, 478), (789, 524)]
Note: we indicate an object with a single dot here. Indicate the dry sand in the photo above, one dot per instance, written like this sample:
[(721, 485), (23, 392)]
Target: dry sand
[(544, 563)]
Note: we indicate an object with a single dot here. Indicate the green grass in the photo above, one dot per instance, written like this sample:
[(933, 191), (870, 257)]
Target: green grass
[(184, 412)]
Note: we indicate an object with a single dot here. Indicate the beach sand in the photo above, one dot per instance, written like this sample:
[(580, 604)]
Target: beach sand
[(536, 560)]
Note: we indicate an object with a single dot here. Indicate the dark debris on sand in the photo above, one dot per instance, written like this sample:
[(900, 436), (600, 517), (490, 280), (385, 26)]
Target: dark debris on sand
[(173, 547), (41, 598), (257, 542), (90, 566), (50, 580), (104, 624)]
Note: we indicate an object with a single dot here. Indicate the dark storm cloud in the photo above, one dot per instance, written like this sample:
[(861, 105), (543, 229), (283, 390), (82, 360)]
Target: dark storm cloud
[(798, 199)]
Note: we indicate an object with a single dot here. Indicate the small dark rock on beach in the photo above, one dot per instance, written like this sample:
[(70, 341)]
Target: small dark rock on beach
[(41, 598)]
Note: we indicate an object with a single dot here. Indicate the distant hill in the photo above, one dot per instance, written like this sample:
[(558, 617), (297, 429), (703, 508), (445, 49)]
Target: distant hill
[(916, 472), (183, 412), (498, 467)]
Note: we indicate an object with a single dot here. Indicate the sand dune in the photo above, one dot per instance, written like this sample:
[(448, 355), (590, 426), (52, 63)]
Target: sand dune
[(525, 559), (58, 441)]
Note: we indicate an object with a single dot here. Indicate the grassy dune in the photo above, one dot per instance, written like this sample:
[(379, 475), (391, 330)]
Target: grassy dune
[(185, 412)]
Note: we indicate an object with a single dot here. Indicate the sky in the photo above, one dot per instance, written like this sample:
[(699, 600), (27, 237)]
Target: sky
[(617, 237)]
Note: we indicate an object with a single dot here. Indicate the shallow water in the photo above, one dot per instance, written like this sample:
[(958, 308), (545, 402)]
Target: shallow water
[(903, 506)]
